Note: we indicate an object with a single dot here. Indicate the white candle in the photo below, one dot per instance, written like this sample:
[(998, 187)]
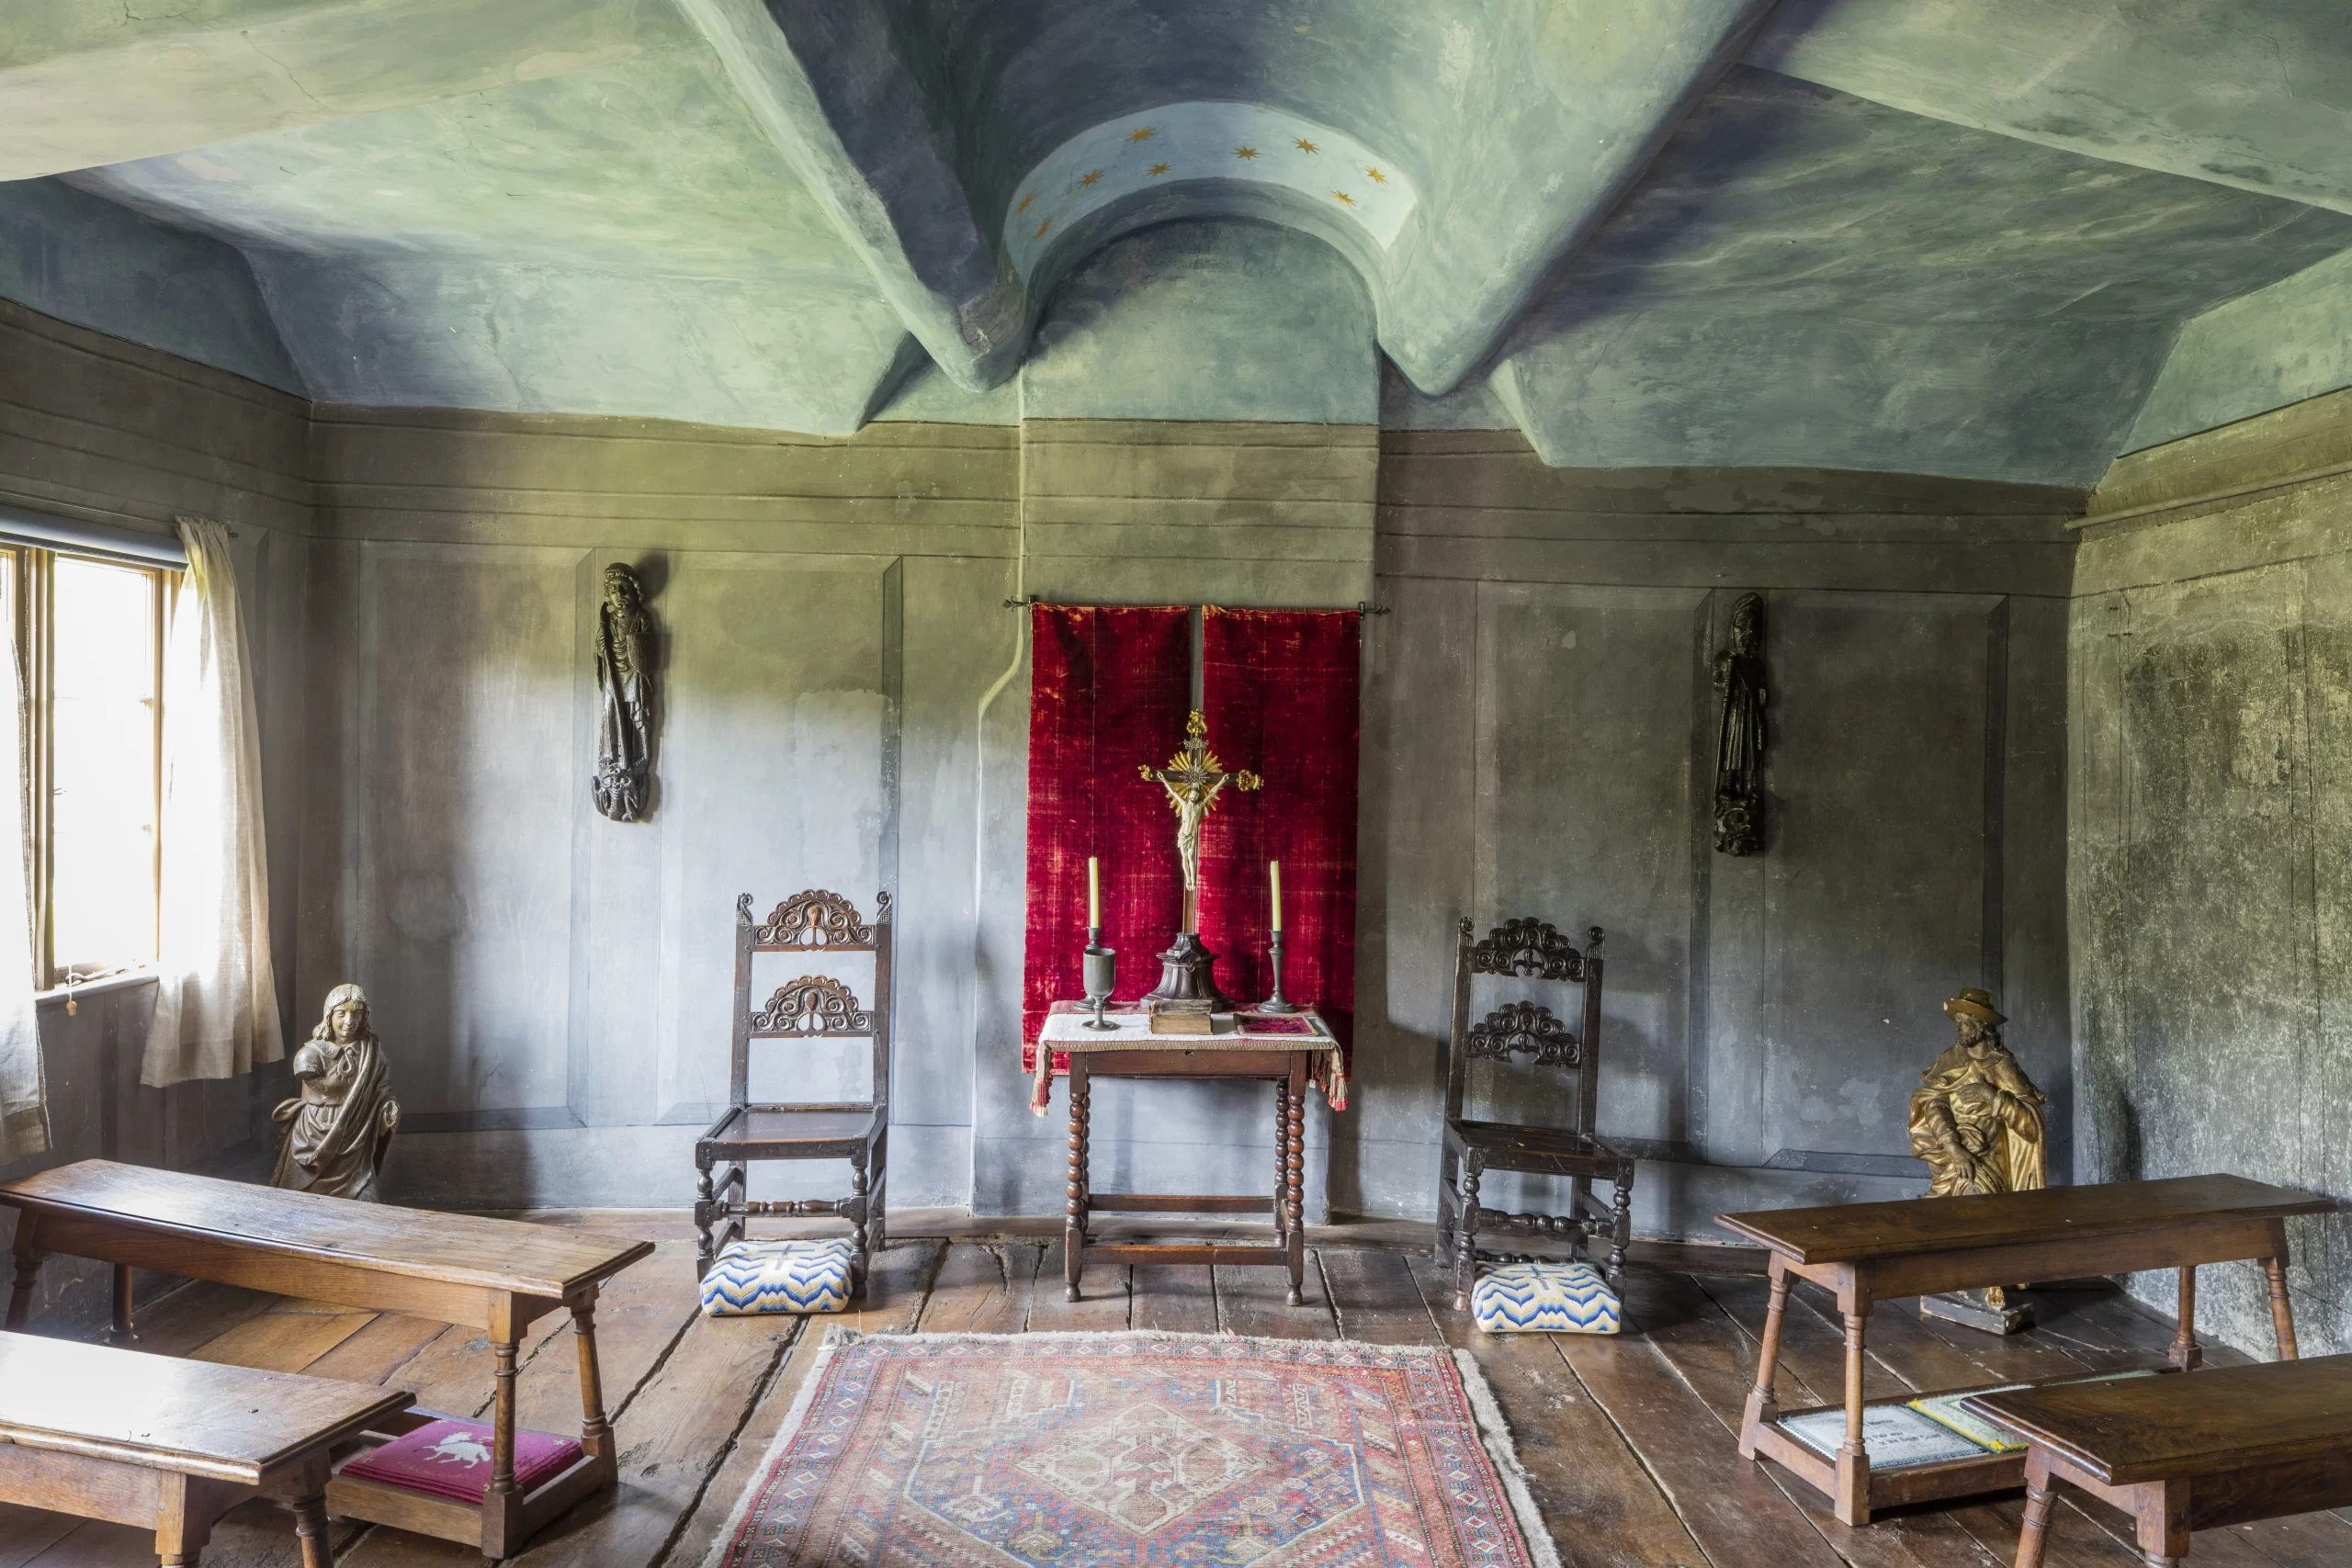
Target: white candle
[(1093, 892), (1276, 868)]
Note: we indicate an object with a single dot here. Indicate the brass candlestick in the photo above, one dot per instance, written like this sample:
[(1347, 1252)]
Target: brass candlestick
[(1277, 1002), (1102, 973)]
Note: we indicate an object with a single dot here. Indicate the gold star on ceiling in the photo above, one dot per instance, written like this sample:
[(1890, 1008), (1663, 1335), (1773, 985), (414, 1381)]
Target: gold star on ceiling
[(1303, 145), (1026, 201), (1376, 176), (1157, 169), (1041, 229), (1245, 151), (1140, 133), (1089, 176), (1343, 198)]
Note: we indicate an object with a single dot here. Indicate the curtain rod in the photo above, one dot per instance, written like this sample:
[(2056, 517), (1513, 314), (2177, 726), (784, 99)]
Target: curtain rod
[(1362, 606), (20, 526)]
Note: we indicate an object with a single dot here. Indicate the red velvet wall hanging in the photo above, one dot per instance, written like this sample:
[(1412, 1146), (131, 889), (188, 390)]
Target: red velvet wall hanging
[(1280, 688), (1110, 689)]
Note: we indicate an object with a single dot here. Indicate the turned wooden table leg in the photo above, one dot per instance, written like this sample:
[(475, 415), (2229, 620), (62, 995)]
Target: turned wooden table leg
[(595, 1430), (311, 1530), (2282, 1314), (2186, 1353), (1074, 1216), (2041, 1497), (123, 1333), (1281, 1152), (1763, 1407), (1853, 1500), (1294, 1181)]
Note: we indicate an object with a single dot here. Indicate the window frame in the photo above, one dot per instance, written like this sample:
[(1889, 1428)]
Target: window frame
[(33, 570)]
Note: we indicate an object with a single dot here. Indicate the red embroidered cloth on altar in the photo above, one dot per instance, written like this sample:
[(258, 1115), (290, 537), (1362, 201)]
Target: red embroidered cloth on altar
[(1068, 1028), (1109, 693)]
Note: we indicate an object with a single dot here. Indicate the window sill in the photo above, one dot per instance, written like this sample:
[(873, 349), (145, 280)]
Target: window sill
[(62, 994)]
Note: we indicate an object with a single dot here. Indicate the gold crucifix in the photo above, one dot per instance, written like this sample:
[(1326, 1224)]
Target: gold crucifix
[(1194, 778)]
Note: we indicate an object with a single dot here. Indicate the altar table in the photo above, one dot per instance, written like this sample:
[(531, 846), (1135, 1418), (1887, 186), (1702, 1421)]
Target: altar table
[(1865, 1253), (1288, 1050), (494, 1275)]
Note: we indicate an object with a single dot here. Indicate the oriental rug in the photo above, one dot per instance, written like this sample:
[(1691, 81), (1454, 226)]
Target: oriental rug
[(1137, 1450)]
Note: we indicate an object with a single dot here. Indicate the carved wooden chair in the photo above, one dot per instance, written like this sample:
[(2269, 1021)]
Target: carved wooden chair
[(813, 1007), (1528, 949)]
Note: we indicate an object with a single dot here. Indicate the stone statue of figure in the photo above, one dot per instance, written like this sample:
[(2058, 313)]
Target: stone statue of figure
[(624, 699), (1976, 1119), (1739, 744), (332, 1136)]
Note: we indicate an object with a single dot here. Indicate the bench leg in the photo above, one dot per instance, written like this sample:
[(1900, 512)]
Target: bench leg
[(2282, 1315), (2186, 1353), (2041, 1497), (1853, 1499), (595, 1429), (20, 1298), (1763, 1407), (310, 1529), (123, 1333), (2160, 1510)]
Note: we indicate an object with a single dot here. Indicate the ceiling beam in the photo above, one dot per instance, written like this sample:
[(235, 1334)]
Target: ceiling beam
[(822, 80)]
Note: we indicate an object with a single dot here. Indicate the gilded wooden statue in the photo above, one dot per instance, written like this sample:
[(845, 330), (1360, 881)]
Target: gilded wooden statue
[(1976, 1117), (333, 1135), (624, 783)]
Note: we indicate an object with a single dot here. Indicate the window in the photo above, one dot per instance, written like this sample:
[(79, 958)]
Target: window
[(90, 638)]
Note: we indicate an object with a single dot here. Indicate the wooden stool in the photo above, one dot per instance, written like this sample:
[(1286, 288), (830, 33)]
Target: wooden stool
[(2181, 1454), (168, 1445)]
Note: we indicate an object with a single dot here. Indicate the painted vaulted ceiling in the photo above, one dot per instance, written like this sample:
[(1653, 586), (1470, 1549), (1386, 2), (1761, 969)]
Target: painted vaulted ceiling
[(1951, 236)]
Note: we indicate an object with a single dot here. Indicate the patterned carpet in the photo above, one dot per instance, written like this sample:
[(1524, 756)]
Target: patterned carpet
[(1159, 1450)]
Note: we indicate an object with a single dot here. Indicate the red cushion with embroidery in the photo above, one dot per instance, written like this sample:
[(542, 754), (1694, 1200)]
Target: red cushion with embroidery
[(451, 1458)]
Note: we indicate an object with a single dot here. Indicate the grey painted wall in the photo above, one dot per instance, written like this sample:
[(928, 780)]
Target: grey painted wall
[(1539, 738), (2210, 773), (846, 705)]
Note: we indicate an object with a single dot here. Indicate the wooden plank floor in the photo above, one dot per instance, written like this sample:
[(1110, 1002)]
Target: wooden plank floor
[(1628, 1443)]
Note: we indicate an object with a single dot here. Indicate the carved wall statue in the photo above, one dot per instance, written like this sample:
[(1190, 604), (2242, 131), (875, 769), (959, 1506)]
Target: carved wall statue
[(1976, 1119), (624, 783), (332, 1136), (1739, 744)]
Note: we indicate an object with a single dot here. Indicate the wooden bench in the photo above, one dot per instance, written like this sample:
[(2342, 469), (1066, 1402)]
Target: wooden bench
[(170, 1445), (2223, 1447), (494, 1275), (1865, 1253)]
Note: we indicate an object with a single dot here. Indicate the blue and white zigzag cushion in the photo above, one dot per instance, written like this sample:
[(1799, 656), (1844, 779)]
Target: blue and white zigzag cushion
[(1543, 1298), (752, 1277)]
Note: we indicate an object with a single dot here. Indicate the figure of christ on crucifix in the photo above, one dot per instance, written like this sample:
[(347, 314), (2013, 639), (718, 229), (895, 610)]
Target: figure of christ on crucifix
[(1193, 779)]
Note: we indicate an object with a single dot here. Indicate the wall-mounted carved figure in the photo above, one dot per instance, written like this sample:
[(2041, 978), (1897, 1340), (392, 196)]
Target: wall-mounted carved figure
[(1739, 744), (1976, 1119), (624, 783), (332, 1136)]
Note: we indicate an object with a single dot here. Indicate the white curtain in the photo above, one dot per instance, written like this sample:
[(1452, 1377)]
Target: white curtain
[(216, 993), (24, 1116)]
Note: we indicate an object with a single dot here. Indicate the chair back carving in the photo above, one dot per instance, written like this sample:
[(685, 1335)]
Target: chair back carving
[(812, 1007), (1528, 949)]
